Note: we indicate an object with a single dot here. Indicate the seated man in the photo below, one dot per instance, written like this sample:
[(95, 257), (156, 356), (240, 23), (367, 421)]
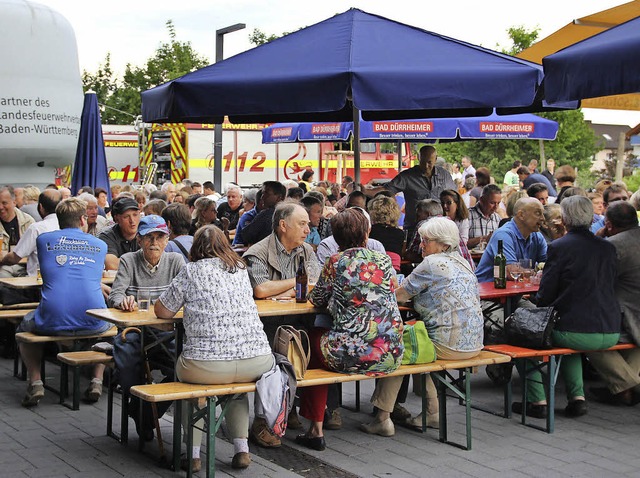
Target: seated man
[(71, 264), (521, 239), (121, 237), (273, 193), (621, 369), (148, 269), (272, 265), (483, 218)]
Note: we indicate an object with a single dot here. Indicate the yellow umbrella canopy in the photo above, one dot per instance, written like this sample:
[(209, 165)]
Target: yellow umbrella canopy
[(577, 31)]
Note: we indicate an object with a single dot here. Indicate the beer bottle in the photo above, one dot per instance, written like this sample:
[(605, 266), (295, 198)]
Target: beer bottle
[(499, 269), (301, 283)]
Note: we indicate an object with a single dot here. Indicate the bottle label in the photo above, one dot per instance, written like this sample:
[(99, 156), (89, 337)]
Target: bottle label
[(301, 292), (496, 272)]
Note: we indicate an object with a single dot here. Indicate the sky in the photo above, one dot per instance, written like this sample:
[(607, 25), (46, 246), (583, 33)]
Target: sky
[(132, 31)]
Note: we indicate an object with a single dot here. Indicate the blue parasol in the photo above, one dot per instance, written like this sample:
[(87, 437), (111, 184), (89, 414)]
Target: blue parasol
[(90, 166)]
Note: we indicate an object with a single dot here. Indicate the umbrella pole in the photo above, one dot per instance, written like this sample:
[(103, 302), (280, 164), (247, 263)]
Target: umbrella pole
[(399, 156), (543, 160), (356, 145)]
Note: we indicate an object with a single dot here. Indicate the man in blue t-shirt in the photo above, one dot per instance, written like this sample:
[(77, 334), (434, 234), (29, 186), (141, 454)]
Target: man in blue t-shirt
[(71, 263), (520, 238)]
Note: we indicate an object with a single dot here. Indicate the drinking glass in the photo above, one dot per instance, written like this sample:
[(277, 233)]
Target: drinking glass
[(144, 300), (527, 269), (515, 270)]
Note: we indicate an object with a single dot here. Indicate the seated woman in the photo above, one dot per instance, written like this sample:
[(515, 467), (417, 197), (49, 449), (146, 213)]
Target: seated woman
[(553, 227), (224, 340), (445, 294), (583, 293), (365, 335), (206, 213), (384, 212), (454, 208)]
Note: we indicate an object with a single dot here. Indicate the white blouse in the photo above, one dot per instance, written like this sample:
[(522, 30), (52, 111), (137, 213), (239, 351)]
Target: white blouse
[(221, 319)]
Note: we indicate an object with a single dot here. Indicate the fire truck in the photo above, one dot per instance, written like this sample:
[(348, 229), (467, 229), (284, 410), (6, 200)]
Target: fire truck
[(186, 151)]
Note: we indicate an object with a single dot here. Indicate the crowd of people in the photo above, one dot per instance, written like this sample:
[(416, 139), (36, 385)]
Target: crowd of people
[(187, 247)]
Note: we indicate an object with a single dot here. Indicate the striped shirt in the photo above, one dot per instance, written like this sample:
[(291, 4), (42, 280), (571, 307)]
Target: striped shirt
[(287, 261), (481, 225)]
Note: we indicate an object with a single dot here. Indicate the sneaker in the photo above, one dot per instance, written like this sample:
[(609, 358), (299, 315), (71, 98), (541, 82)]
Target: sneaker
[(385, 428), (35, 392), (93, 393), (332, 420), (293, 420), (196, 464), (400, 414), (262, 436), (534, 411), (433, 421), (240, 461), (576, 408)]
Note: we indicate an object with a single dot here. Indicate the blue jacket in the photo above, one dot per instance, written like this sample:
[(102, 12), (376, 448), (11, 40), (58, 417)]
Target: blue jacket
[(579, 281)]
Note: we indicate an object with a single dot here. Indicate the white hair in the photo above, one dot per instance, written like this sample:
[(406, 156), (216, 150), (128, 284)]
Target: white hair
[(442, 230), (88, 198), (166, 185), (577, 211), (230, 187), (290, 183)]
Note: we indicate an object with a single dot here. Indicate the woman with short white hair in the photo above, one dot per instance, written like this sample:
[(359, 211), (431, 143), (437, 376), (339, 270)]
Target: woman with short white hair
[(95, 222), (445, 294)]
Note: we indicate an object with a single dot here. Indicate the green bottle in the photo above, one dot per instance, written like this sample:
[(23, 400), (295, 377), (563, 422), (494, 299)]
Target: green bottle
[(500, 269)]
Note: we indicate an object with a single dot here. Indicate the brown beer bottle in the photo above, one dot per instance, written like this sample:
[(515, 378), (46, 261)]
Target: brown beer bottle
[(301, 283)]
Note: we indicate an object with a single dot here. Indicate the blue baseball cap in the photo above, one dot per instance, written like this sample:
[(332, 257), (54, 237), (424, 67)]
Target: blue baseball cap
[(152, 223)]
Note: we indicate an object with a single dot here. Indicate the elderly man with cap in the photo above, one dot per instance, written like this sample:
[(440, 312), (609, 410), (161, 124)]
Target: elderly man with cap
[(148, 270), (121, 237)]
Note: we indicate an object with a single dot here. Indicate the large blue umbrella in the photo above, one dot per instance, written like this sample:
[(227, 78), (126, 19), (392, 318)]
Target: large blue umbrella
[(522, 126), (352, 60), (90, 166), (605, 64), (349, 63)]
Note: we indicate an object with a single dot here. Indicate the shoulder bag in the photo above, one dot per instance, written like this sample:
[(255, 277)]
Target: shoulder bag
[(293, 344), (531, 328), (418, 347)]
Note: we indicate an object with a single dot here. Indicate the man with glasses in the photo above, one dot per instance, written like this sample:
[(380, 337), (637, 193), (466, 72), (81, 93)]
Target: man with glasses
[(615, 192)]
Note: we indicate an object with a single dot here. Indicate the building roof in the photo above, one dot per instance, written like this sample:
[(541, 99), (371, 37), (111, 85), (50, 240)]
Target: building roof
[(607, 135)]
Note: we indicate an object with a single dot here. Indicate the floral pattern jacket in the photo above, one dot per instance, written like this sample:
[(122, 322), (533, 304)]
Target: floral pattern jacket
[(358, 288)]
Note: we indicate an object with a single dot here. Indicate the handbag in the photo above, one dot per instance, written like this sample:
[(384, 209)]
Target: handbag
[(531, 328), (418, 347), (293, 344)]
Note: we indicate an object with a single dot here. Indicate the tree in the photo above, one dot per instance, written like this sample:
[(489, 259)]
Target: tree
[(574, 145), (258, 37), (122, 97)]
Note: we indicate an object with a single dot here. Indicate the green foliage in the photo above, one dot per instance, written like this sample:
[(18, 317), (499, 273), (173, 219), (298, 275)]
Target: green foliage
[(633, 181), (258, 37), (171, 60), (521, 38), (574, 145)]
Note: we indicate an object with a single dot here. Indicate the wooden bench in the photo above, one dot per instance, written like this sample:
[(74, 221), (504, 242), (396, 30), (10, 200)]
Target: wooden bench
[(549, 361), (176, 391), (14, 316), (71, 341), (75, 360)]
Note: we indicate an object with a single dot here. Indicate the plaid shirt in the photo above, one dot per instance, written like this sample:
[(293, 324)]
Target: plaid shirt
[(481, 225)]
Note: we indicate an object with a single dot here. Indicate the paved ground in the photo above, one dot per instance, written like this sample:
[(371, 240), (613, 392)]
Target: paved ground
[(52, 441)]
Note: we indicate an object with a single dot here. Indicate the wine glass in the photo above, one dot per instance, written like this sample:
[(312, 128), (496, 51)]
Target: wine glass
[(515, 270), (527, 269)]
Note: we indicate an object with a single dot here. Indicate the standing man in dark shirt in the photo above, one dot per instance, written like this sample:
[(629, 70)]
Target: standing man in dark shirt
[(549, 172), (424, 181), (273, 192), (121, 237)]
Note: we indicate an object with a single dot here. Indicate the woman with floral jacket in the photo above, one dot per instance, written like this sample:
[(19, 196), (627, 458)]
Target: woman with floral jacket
[(357, 286)]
